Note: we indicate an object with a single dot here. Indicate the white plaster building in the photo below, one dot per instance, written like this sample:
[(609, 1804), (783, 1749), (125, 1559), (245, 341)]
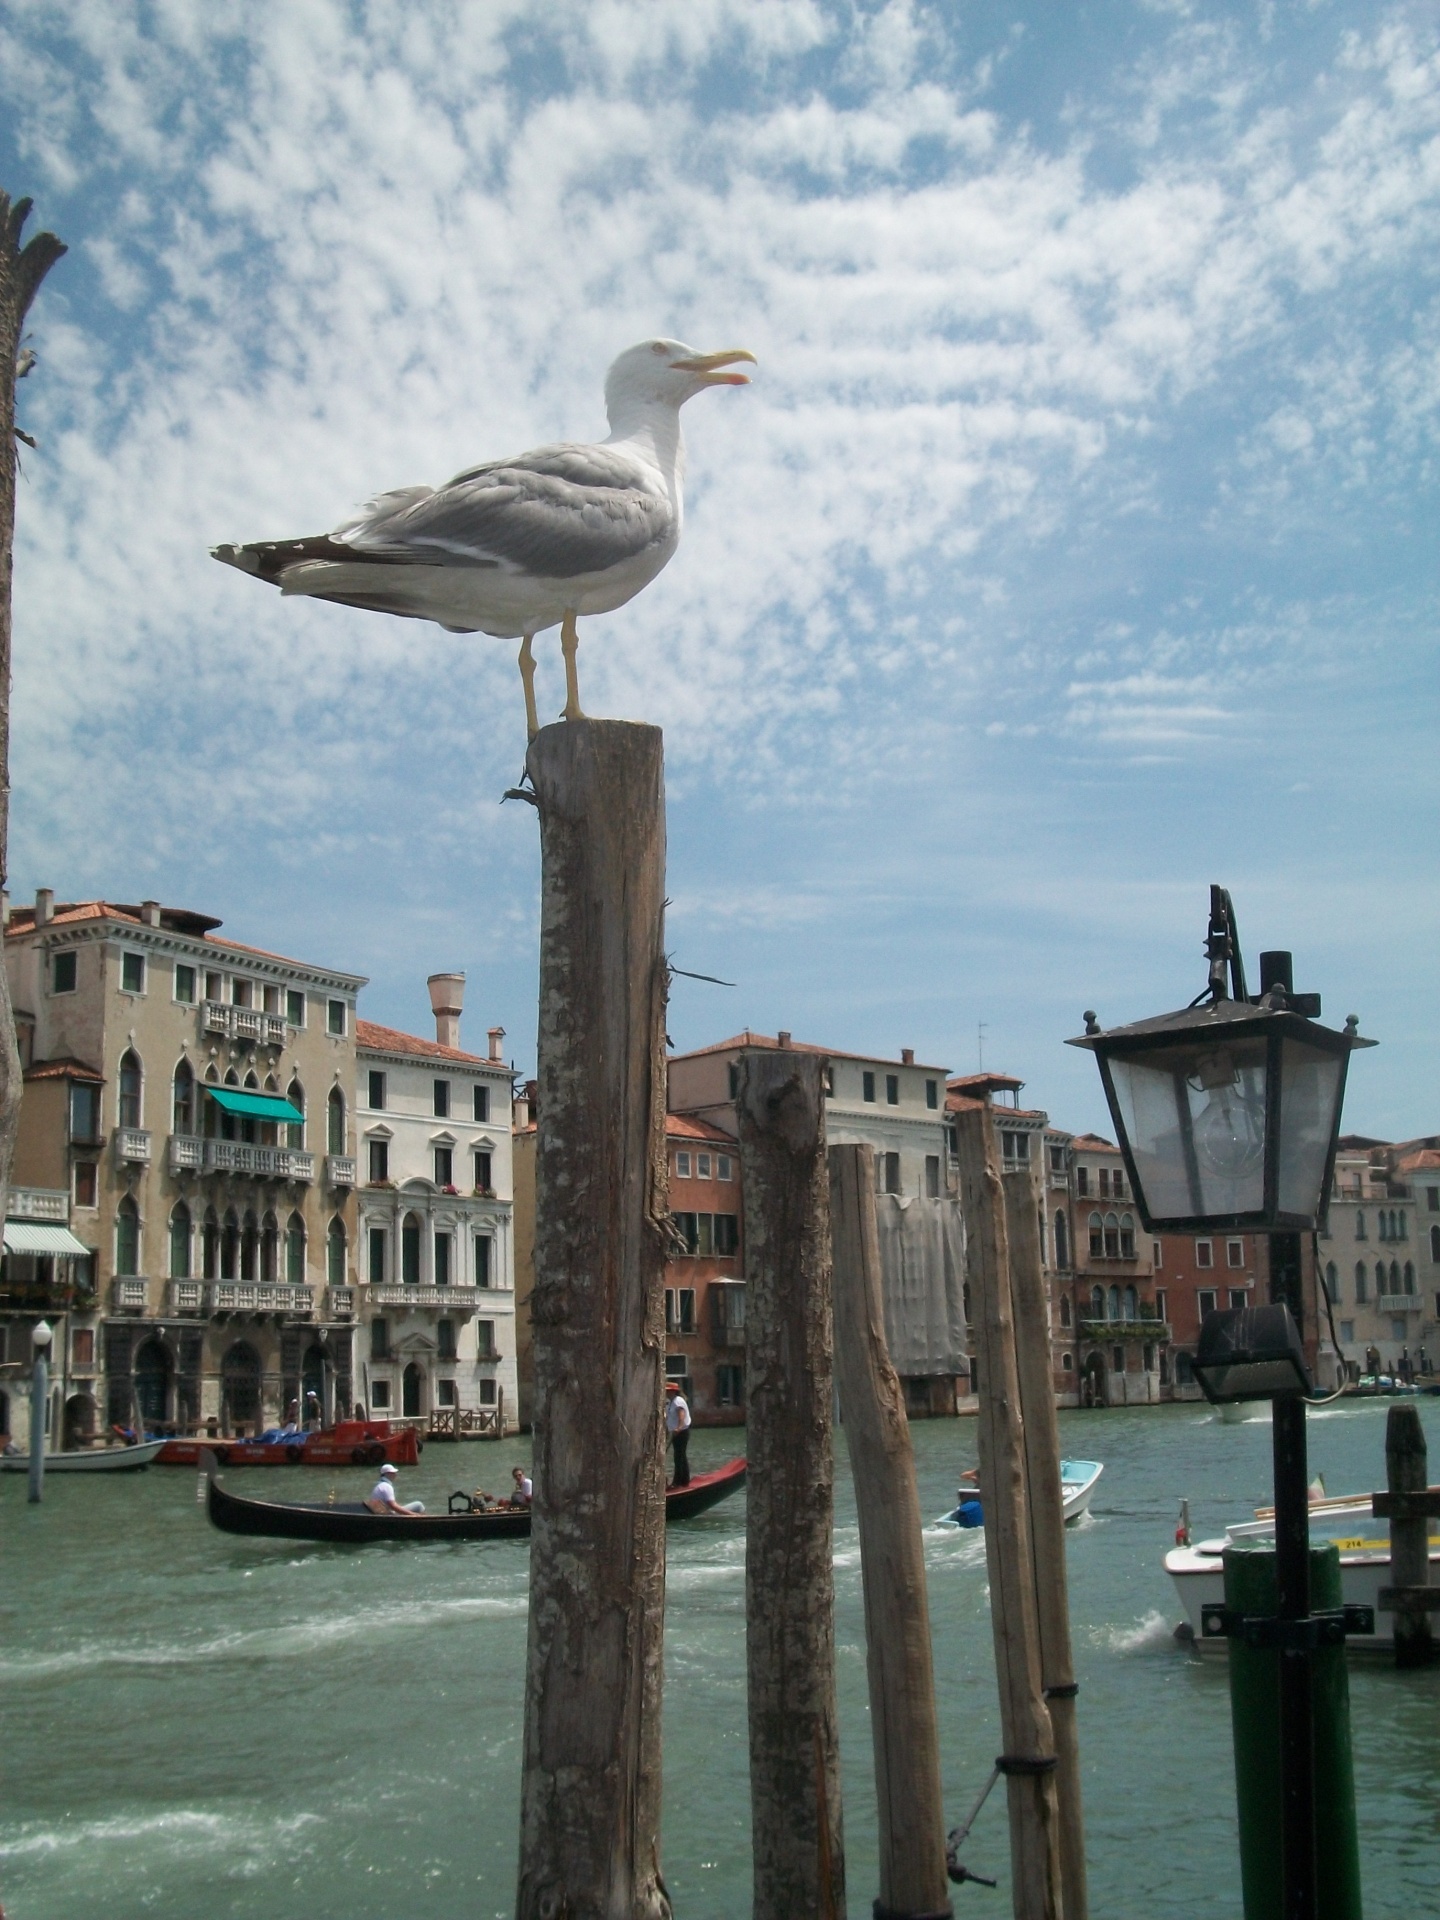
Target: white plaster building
[(436, 1240)]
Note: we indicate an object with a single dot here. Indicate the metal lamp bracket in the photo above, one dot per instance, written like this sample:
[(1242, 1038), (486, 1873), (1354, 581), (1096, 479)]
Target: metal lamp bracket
[(1288, 1636)]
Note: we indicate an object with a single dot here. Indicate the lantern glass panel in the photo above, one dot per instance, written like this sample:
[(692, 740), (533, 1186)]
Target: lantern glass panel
[(1194, 1114), (1310, 1083)]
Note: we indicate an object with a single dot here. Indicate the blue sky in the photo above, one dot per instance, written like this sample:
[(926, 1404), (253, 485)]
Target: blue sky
[(1074, 547)]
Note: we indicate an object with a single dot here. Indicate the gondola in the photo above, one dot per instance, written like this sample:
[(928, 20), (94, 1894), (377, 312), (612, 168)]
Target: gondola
[(351, 1522)]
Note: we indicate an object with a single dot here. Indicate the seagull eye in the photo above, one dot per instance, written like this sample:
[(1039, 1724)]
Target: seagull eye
[(657, 346)]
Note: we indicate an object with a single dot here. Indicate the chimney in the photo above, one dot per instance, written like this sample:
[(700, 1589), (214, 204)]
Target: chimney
[(447, 1001), (44, 906), (150, 912), (783, 1037), (907, 1056), (497, 1034)]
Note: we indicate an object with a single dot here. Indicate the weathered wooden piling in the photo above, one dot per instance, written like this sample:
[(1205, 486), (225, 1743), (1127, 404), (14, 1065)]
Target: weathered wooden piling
[(1029, 1758), (590, 1793), (1031, 1308), (913, 1881), (1410, 1597), (796, 1827)]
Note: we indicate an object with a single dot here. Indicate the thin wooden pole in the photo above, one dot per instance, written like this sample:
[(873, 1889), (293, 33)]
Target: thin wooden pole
[(590, 1792), (1407, 1471), (797, 1835), (1029, 1758), (910, 1802), (1031, 1307)]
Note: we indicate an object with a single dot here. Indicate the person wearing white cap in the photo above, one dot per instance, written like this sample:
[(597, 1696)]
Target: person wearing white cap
[(382, 1495)]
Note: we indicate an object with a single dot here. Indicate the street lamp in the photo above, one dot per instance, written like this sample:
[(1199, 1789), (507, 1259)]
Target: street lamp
[(1228, 1114), (40, 1338)]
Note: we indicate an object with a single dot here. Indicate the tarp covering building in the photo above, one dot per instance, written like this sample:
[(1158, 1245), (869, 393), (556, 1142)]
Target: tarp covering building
[(922, 1261)]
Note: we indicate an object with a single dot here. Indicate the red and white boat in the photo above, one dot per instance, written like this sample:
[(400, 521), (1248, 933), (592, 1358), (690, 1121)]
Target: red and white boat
[(349, 1443)]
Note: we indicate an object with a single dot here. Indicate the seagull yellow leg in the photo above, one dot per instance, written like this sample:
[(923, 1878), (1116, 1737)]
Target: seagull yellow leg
[(527, 678), (569, 642)]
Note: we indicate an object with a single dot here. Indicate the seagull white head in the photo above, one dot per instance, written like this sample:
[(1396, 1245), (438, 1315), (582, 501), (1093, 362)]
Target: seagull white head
[(667, 372)]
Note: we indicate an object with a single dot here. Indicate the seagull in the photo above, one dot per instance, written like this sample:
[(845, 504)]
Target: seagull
[(516, 546)]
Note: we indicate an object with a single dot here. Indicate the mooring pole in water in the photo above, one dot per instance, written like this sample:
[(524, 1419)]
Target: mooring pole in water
[(1031, 1307), (1410, 1505), (796, 1829), (590, 1789), (913, 1881), (1028, 1761)]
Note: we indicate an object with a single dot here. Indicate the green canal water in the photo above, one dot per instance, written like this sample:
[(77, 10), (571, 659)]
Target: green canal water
[(194, 1726)]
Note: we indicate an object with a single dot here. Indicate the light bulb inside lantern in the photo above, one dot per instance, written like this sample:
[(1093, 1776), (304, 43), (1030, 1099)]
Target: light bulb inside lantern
[(1229, 1132)]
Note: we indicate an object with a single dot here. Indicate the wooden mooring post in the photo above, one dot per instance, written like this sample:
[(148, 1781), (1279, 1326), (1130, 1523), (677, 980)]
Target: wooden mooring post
[(590, 1791), (1410, 1505), (796, 1829), (910, 1803), (1028, 1761), (1031, 1308)]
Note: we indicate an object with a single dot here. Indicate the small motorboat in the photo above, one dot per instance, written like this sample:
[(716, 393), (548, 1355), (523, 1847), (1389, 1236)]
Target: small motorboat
[(1198, 1570), (1077, 1484), (351, 1522), (349, 1443), (88, 1459)]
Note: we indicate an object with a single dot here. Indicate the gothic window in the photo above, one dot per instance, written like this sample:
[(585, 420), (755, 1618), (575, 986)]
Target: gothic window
[(131, 1088), (180, 1242)]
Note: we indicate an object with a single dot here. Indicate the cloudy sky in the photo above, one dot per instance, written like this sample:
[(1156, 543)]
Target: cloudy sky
[(1074, 547)]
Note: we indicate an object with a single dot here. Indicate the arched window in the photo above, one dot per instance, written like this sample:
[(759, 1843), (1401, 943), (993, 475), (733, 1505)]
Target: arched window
[(212, 1244), (1062, 1240), (249, 1244), (127, 1237), (252, 1081), (1127, 1236), (132, 1081), (1394, 1276), (1097, 1237), (1112, 1237), (1359, 1224), (1114, 1303), (295, 1251), (1382, 1225), (1132, 1308), (180, 1242), (1065, 1310), (1097, 1299), (1332, 1282), (1435, 1243), (1409, 1276), (295, 1094), (410, 1250), (184, 1103), (335, 1122), (1403, 1228), (230, 1246), (1361, 1291), (270, 1249), (335, 1250)]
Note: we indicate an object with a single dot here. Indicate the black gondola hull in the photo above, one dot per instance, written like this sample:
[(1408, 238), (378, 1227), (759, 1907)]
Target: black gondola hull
[(352, 1523)]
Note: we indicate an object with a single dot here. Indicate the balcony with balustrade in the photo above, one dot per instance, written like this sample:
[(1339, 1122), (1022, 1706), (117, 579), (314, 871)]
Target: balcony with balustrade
[(132, 1146), (339, 1170), (459, 1301), (1398, 1303), (245, 1024), (185, 1297), (130, 1295), (49, 1204), (192, 1153), (340, 1303), (259, 1296)]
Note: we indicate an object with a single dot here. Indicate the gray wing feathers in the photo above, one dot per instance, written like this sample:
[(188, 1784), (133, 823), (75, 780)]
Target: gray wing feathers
[(557, 512)]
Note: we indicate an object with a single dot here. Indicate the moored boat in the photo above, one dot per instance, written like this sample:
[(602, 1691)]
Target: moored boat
[(1198, 1570), (349, 1443), (88, 1459), (351, 1522)]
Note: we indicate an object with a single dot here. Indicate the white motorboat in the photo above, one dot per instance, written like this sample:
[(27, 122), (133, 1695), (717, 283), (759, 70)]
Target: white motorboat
[(87, 1459), (1364, 1542), (1077, 1484)]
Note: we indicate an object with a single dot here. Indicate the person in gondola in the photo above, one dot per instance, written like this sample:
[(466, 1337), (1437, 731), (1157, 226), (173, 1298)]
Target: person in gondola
[(524, 1489), (383, 1498), (677, 1425)]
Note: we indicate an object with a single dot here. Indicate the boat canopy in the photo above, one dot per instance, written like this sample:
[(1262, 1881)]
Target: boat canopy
[(256, 1106)]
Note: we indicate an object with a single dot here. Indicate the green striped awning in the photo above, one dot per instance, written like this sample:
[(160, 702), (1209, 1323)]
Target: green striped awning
[(255, 1106), (31, 1236)]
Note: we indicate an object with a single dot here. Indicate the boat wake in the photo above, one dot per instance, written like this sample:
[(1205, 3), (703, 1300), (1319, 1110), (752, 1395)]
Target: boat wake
[(182, 1833), (1154, 1633), (296, 1638)]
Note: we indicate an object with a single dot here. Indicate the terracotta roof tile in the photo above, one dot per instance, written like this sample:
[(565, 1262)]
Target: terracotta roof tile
[(195, 926), (680, 1126), (1093, 1143), (750, 1039), (391, 1040), (64, 1069)]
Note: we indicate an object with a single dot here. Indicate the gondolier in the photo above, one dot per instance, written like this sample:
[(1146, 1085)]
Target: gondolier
[(382, 1496), (677, 1425)]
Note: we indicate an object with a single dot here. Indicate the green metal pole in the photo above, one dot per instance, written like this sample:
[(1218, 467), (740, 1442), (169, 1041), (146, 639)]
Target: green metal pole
[(1251, 1590)]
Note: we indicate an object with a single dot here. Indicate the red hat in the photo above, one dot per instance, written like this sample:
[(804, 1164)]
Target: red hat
[(672, 1386)]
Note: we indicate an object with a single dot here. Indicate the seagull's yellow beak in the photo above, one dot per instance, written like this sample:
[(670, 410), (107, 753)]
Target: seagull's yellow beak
[(708, 365)]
